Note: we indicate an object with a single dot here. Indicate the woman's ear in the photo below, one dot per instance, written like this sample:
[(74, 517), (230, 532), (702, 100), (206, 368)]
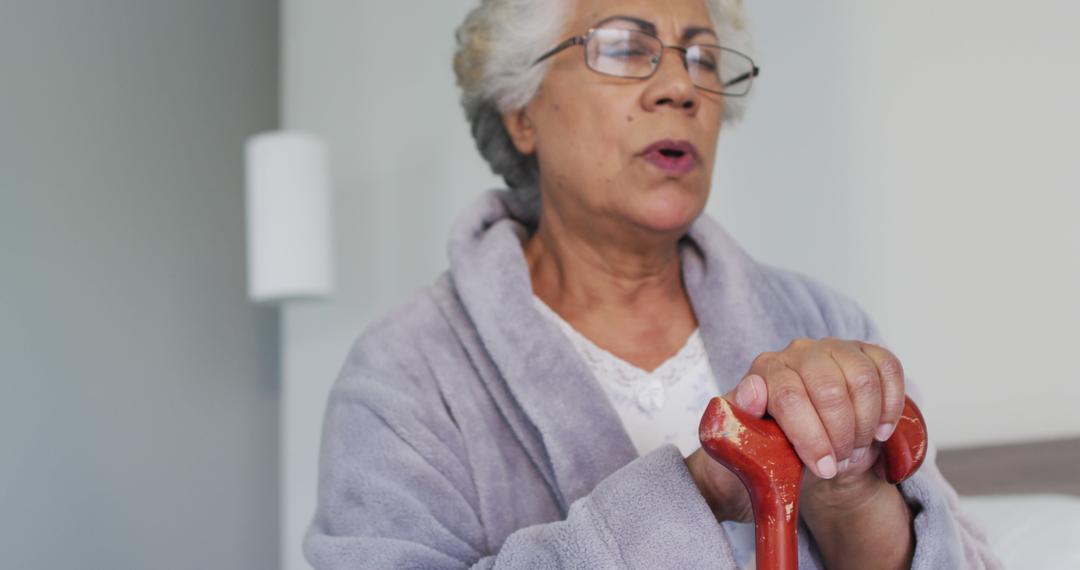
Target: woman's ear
[(521, 130)]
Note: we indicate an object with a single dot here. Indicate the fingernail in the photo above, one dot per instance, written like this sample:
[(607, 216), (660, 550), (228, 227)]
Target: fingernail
[(745, 394), (883, 432), (857, 454), (826, 467)]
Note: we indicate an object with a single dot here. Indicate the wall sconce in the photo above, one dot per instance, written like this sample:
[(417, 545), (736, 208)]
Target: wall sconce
[(289, 253)]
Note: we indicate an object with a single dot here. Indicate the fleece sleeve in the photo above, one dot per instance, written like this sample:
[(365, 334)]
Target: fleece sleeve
[(394, 492), (944, 536)]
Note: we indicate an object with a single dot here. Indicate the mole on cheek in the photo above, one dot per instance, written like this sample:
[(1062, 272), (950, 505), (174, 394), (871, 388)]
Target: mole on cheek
[(629, 118)]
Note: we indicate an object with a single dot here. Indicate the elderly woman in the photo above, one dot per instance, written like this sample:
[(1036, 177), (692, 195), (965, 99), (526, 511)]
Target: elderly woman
[(538, 405)]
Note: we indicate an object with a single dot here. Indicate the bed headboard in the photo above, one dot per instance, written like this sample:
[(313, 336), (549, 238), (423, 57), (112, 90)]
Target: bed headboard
[(1035, 467)]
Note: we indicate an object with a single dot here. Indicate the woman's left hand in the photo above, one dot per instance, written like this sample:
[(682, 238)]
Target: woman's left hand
[(833, 399)]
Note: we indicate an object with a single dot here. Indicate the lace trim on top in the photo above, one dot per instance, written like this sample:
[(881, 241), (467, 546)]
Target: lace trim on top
[(623, 380)]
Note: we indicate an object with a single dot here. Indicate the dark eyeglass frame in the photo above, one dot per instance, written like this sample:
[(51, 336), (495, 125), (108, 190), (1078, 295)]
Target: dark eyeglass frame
[(584, 39)]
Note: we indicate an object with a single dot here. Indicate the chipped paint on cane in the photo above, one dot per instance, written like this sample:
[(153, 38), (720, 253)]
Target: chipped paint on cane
[(920, 450), (731, 429)]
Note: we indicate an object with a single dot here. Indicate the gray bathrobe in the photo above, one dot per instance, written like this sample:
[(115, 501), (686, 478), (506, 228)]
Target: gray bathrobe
[(464, 430)]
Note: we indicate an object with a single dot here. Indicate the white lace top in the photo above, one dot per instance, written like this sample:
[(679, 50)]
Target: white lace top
[(658, 407)]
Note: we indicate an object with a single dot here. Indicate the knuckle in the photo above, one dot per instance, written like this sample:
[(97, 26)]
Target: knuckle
[(830, 395), (786, 400), (828, 390), (762, 360), (800, 343), (865, 382)]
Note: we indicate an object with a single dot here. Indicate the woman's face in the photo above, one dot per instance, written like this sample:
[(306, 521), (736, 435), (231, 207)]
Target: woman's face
[(596, 137)]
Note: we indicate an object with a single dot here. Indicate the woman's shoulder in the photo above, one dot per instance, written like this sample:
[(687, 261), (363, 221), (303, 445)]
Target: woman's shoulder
[(839, 314), (813, 308), (394, 350)]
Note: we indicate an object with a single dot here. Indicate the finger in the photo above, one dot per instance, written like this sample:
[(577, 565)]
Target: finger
[(750, 395), (867, 459), (864, 389), (790, 406), (828, 390), (891, 372)]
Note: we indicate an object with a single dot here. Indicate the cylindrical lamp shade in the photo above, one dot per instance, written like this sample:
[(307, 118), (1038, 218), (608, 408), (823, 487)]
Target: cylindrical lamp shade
[(288, 217)]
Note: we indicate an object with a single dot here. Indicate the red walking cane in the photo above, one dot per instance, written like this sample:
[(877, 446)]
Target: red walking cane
[(757, 451)]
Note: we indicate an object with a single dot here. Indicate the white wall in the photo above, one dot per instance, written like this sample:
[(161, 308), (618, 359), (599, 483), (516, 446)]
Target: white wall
[(922, 157), (912, 156), (965, 157)]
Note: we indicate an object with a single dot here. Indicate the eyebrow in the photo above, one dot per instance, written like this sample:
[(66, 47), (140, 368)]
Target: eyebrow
[(689, 33), (650, 28)]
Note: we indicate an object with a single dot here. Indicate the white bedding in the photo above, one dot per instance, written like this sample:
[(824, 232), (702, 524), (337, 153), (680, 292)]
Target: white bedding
[(1030, 531)]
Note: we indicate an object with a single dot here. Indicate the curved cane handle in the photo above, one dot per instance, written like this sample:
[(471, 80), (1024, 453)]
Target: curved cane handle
[(905, 450), (757, 451)]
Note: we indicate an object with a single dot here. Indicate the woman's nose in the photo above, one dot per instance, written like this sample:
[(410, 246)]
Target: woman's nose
[(671, 86)]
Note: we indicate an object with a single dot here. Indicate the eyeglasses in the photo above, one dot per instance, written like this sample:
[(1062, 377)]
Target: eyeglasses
[(636, 54)]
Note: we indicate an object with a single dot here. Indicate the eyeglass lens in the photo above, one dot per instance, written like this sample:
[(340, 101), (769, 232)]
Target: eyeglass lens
[(633, 54)]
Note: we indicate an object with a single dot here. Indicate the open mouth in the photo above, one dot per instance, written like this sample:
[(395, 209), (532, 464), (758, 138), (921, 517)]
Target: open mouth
[(673, 157)]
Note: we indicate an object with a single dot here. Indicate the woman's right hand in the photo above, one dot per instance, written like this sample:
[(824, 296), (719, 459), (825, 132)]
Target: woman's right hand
[(723, 491)]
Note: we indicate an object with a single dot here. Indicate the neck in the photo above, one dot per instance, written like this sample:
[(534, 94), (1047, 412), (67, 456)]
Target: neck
[(621, 289)]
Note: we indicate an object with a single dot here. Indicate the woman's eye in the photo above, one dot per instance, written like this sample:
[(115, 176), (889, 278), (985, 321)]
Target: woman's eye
[(623, 51), (706, 64)]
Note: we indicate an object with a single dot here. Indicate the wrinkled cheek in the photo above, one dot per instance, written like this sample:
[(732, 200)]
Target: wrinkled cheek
[(596, 150)]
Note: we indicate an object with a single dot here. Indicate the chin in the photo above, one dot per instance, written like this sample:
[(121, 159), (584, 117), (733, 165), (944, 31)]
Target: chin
[(671, 208)]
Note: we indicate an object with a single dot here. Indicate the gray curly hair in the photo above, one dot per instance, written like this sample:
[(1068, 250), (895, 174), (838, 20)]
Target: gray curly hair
[(497, 44)]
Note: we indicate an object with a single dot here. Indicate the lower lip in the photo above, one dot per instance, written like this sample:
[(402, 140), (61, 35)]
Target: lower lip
[(671, 164)]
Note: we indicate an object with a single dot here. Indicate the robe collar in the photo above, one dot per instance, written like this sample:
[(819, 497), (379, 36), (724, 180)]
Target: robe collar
[(738, 312)]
